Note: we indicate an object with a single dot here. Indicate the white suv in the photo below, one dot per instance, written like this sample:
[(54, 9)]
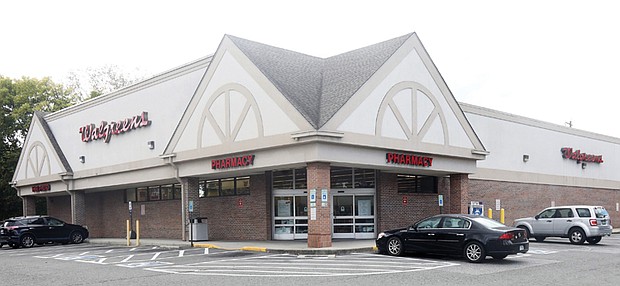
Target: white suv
[(579, 223)]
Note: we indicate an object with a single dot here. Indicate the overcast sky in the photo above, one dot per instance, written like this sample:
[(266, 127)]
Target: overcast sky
[(556, 61)]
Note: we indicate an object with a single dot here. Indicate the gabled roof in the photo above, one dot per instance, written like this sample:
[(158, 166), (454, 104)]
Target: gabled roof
[(318, 87)]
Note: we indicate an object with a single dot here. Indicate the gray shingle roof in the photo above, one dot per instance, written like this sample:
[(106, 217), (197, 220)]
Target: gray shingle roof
[(318, 87)]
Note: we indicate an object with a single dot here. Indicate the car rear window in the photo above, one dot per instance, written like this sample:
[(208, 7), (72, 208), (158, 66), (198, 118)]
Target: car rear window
[(13, 223), (601, 212)]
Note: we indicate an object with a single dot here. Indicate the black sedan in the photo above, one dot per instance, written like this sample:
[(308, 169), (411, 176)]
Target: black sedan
[(30, 230), (471, 236)]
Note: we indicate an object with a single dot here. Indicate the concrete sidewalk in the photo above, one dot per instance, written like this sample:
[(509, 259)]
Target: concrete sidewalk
[(339, 246)]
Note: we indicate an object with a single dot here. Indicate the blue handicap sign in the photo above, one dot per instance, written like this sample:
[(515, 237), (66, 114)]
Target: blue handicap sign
[(477, 211)]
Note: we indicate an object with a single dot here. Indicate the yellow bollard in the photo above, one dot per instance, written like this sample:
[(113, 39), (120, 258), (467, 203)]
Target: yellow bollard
[(128, 234), (137, 232), (490, 213), (501, 215)]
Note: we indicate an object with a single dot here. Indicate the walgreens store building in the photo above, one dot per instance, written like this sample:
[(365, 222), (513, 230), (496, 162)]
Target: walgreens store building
[(264, 143)]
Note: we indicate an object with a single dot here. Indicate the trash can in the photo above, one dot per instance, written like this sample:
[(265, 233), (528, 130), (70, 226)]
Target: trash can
[(199, 229)]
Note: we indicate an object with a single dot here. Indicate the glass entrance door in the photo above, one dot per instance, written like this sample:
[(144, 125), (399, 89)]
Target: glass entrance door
[(290, 217), (353, 216)]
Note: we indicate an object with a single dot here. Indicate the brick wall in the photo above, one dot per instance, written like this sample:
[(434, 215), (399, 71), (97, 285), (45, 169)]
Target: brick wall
[(59, 207), (523, 200), (245, 217), (106, 215), (393, 213)]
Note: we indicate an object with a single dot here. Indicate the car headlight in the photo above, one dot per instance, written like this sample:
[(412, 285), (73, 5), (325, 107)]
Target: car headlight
[(381, 235)]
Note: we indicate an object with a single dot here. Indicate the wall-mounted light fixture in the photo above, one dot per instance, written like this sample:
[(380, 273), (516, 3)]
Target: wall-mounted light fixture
[(526, 157), (583, 165), (82, 159), (151, 144)]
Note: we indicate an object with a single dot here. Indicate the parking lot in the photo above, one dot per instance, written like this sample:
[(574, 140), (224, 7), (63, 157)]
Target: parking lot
[(548, 260)]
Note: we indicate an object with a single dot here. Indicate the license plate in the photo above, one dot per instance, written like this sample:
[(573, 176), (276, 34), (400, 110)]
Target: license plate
[(521, 247)]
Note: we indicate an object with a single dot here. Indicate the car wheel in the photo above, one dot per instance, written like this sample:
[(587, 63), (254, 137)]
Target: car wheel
[(540, 238), (27, 241), (594, 239), (76, 237), (474, 252), (394, 246), (576, 236)]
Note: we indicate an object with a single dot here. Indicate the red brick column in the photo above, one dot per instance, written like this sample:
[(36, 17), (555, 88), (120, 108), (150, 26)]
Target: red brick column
[(320, 228), (459, 193), (78, 207), (189, 192), (28, 206)]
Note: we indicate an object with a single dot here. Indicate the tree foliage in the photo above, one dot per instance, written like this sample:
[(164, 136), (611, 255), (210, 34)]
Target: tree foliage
[(96, 81), (19, 99)]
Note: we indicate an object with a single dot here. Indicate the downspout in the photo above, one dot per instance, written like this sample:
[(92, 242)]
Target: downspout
[(66, 182), (169, 158)]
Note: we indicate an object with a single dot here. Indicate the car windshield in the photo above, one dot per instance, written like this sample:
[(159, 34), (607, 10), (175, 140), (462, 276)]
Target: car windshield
[(601, 212), (487, 222)]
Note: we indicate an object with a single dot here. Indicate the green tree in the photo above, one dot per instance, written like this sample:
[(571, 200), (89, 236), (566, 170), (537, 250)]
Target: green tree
[(19, 99), (96, 81)]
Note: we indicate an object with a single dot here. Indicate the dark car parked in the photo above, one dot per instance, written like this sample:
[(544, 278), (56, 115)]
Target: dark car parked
[(26, 231), (471, 236)]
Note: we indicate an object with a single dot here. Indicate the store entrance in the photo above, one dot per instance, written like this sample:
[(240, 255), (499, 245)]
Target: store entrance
[(353, 214), (290, 215)]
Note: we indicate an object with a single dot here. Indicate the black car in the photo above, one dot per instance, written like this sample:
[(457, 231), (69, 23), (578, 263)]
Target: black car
[(471, 236), (28, 230)]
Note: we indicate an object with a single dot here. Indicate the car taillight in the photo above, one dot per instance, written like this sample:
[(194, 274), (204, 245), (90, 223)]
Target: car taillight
[(507, 236), (593, 222)]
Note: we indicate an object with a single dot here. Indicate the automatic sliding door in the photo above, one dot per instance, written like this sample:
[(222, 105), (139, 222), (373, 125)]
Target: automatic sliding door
[(353, 216), (290, 217)]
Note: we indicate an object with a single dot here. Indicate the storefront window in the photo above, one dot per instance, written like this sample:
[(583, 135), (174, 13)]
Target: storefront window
[(166, 192), (364, 178), (417, 184), (282, 180), (294, 179), (243, 185), (213, 188), (228, 187), (301, 179), (142, 194), (341, 178), (177, 192), (347, 178), (224, 187), (154, 193), (130, 195)]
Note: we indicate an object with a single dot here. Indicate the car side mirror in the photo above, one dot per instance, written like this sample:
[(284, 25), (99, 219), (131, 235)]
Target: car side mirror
[(537, 216)]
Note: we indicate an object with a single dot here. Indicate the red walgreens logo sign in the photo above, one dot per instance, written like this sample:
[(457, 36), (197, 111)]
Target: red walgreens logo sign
[(105, 130), (567, 153), (41, 188)]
